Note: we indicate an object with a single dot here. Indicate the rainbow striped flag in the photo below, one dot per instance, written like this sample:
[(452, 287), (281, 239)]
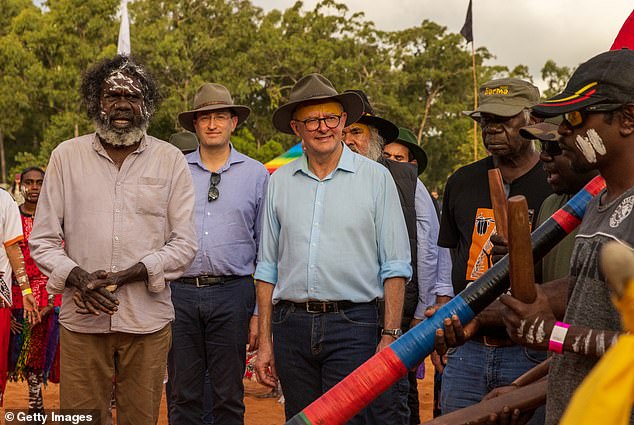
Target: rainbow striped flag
[(288, 156)]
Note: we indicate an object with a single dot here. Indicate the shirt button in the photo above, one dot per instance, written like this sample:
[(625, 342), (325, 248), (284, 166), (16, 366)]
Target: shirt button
[(117, 211), (118, 183), (116, 238), (208, 213), (312, 266), (114, 268), (206, 233)]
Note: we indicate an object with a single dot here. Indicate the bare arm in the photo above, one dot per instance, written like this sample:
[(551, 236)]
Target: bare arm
[(265, 361), (394, 290), (14, 253)]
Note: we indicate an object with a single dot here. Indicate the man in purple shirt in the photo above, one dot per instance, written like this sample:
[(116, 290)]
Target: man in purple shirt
[(214, 301)]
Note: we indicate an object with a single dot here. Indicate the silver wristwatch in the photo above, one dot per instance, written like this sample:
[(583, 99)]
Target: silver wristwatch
[(394, 333)]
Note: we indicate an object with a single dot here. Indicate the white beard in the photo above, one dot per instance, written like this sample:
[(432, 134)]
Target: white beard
[(116, 138)]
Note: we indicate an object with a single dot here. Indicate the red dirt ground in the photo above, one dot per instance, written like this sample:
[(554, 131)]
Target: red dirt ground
[(259, 411)]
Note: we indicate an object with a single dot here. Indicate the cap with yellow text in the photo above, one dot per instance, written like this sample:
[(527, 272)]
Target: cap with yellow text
[(505, 97)]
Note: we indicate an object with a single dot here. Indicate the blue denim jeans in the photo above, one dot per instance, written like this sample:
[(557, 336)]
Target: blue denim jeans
[(211, 328), (314, 351), (474, 369)]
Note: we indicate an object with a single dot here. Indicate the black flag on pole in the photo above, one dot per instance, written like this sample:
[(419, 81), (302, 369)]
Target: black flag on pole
[(467, 28)]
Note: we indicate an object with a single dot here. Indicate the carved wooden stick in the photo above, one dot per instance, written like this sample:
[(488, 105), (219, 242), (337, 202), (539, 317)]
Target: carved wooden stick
[(498, 201), (524, 398), (521, 270)]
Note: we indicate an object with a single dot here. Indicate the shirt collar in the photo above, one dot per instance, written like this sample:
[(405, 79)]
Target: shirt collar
[(346, 163), (235, 157)]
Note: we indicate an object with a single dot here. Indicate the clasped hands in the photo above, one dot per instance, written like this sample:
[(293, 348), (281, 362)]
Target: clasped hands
[(94, 292)]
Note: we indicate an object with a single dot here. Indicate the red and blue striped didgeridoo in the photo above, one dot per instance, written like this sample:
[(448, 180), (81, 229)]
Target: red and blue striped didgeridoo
[(373, 377)]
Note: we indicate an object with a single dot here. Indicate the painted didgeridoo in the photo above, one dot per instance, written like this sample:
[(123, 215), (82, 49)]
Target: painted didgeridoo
[(378, 373)]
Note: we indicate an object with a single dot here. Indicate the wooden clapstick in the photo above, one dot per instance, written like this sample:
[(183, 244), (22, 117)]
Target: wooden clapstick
[(524, 398), (521, 270), (498, 201)]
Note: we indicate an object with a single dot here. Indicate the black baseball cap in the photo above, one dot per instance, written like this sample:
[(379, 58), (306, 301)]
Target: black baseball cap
[(606, 78)]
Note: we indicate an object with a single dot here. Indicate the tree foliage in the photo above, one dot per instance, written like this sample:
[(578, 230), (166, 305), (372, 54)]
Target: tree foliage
[(420, 77)]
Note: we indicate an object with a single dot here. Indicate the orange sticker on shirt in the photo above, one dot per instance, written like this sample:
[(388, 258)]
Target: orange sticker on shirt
[(480, 249)]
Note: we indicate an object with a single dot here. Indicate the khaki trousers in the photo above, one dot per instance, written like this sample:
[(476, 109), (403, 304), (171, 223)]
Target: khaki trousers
[(87, 366)]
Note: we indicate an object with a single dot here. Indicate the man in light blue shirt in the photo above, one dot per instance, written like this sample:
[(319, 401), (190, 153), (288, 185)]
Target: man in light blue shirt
[(331, 246), (215, 299)]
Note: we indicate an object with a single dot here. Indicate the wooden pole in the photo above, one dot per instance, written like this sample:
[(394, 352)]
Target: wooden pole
[(475, 102), (521, 270), (498, 201)]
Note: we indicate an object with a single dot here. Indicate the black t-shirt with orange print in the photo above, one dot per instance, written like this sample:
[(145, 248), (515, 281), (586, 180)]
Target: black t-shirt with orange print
[(467, 219)]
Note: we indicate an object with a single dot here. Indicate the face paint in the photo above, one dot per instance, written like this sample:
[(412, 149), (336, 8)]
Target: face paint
[(121, 81), (590, 146)]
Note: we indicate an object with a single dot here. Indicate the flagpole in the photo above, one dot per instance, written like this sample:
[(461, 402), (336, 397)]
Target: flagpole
[(475, 103)]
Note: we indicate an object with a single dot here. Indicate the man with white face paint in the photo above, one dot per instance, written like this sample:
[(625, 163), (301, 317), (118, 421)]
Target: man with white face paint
[(114, 224), (597, 133)]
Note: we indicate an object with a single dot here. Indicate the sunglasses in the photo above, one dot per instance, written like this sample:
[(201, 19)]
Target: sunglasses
[(576, 118), (213, 193), (551, 147)]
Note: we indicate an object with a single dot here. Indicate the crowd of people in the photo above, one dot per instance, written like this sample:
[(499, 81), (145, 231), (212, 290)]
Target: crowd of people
[(131, 256)]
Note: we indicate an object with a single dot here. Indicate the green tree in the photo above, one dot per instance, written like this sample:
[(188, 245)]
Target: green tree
[(555, 77)]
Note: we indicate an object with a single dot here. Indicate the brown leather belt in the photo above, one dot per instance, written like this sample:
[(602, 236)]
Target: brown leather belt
[(204, 281), (323, 306)]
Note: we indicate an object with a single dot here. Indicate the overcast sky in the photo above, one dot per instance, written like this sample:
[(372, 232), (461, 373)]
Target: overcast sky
[(527, 32)]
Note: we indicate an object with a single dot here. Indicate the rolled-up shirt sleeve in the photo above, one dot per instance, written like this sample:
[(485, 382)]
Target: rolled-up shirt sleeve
[(266, 269), (46, 240), (393, 244), (172, 260)]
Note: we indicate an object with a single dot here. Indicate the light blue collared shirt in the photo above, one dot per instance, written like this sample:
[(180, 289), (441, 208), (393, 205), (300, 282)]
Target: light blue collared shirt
[(333, 239), (228, 228), (434, 262)]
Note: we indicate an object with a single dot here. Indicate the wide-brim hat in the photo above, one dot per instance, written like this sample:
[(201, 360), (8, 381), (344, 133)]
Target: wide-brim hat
[(408, 139), (211, 97), (605, 78), (387, 130), (315, 87), (546, 130), (504, 97), (186, 141)]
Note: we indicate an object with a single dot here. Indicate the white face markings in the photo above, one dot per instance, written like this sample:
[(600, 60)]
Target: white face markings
[(590, 146), (120, 81)]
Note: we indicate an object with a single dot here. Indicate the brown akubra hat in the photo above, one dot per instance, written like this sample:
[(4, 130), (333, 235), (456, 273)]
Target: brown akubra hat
[(315, 87), (211, 97)]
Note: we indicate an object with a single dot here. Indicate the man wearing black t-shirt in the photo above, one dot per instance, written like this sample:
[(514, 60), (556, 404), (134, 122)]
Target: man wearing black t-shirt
[(489, 359)]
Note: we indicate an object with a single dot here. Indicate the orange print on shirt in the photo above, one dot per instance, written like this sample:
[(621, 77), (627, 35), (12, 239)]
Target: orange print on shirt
[(480, 249)]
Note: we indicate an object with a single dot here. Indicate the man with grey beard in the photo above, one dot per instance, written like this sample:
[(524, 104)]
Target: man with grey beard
[(114, 225)]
